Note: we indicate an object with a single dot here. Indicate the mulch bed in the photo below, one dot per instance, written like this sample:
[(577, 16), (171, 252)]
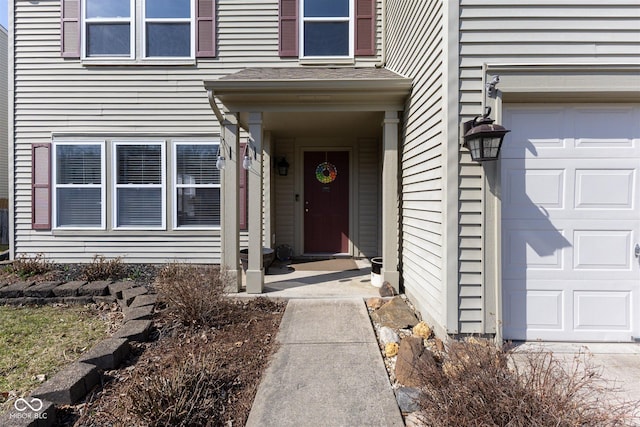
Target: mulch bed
[(238, 351)]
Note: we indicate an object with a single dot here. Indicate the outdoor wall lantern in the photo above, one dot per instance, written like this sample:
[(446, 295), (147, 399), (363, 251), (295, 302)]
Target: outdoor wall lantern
[(483, 138), (221, 162), (283, 167), (246, 159)]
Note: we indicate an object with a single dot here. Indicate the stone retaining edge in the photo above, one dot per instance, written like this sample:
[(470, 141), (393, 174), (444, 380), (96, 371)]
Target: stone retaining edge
[(74, 381)]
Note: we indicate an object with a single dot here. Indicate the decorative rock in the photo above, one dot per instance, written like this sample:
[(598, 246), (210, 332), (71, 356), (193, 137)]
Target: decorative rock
[(97, 288), (386, 290), (70, 384), (439, 344), (422, 330), (388, 335), (41, 290), (408, 399), (391, 349), (374, 303), (69, 289), (395, 314), (412, 360)]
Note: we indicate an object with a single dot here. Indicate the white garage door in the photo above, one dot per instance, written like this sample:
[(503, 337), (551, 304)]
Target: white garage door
[(570, 178)]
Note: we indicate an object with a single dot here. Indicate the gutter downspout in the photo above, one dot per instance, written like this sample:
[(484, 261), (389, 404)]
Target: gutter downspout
[(214, 107), (219, 114), (383, 51)]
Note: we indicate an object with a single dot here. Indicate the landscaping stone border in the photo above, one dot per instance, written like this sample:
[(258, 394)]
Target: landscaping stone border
[(74, 381)]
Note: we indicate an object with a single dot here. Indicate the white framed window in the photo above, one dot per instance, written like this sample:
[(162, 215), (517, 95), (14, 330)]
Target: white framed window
[(196, 186), (142, 29), (79, 185), (139, 188), (108, 29), (168, 29), (327, 28)]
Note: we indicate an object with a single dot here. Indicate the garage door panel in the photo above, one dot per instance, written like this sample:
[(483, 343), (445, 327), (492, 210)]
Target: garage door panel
[(524, 141), (619, 130), (539, 187), (602, 310), (538, 309), (570, 221), (532, 245), (604, 188), (602, 250)]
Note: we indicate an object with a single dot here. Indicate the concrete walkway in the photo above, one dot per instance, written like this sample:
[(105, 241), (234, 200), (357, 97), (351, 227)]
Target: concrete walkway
[(328, 370)]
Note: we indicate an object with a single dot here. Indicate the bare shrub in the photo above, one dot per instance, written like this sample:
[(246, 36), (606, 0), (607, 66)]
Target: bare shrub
[(479, 384), (193, 293), (28, 266), (101, 268), (189, 387)]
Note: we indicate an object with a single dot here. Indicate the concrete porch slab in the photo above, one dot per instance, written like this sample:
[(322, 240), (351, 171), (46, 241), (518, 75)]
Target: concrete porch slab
[(285, 281)]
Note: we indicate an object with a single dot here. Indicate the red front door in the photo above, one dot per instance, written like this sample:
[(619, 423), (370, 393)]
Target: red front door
[(326, 201)]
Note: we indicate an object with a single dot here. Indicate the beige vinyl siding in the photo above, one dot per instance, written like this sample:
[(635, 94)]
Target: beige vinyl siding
[(415, 50), (524, 32), (368, 242), (4, 115), (285, 196), (163, 99)]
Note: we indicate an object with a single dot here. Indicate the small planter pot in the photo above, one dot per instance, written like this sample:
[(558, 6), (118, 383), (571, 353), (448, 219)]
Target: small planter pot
[(376, 271), (268, 255)]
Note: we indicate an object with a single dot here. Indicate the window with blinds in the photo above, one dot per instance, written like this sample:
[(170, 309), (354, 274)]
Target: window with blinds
[(139, 188), (197, 186), (79, 185)]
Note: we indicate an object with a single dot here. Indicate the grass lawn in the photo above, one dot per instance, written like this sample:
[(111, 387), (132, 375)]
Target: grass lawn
[(38, 341)]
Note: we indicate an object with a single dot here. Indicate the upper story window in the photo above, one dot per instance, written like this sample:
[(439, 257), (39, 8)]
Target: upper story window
[(168, 28), (138, 30), (109, 29), (327, 28), (165, 29)]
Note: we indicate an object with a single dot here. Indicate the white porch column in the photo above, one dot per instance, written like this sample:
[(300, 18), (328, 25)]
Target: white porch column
[(267, 160), (390, 200), (230, 219), (255, 272)]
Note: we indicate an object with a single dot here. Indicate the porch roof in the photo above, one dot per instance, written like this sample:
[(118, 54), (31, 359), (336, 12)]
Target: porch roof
[(311, 89)]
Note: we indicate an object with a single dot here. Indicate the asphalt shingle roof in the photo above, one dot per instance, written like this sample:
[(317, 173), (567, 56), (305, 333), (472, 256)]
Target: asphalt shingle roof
[(313, 73)]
